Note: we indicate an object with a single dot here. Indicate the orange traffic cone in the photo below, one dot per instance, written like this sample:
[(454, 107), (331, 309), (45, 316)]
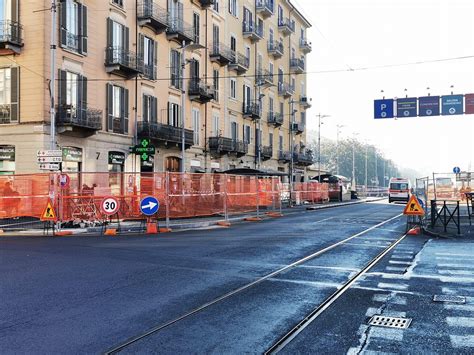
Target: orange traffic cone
[(112, 232), (151, 228)]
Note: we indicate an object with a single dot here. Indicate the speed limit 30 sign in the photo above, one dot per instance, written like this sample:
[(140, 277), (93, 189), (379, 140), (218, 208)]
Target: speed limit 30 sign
[(110, 205)]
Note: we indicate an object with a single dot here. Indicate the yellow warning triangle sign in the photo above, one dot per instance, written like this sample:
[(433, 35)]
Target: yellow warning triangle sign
[(49, 214), (413, 207)]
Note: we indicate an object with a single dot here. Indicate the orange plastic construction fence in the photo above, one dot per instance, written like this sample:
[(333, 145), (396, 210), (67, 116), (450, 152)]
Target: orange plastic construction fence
[(180, 195)]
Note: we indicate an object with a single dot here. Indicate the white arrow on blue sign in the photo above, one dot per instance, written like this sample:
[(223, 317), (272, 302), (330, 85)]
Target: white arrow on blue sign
[(456, 170), (149, 205)]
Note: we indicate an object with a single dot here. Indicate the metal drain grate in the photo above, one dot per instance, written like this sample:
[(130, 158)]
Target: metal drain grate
[(390, 322), (449, 299)]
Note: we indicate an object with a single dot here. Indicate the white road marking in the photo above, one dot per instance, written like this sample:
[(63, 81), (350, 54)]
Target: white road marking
[(396, 262), (392, 286), (465, 322), (462, 341)]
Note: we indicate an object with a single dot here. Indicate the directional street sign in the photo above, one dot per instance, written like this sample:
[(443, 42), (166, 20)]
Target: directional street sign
[(469, 98), (452, 105), (149, 205), (383, 108), (406, 107), (456, 170), (49, 159), (428, 106), (49, 153), (49, 166)]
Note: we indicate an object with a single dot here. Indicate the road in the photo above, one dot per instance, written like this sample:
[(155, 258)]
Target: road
[(92, 294)]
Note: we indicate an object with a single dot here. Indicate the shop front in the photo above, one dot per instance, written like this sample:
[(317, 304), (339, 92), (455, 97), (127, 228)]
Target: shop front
[(7, 159)]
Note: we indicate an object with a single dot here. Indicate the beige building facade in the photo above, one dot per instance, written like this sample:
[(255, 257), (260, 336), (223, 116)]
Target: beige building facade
[(127, 70)]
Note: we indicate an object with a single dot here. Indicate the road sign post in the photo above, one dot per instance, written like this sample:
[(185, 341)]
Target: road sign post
[(149, 207)]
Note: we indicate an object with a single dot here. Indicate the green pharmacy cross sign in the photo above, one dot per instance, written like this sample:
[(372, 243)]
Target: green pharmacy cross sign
[(144, 149)]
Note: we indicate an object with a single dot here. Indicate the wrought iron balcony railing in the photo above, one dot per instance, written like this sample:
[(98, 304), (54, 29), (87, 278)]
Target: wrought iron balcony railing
[(252, 31), (305, 46), (152, 15), (264, 78), (82, 117), (180, 30), (276, 49), (200, 91), (123, 61), (164, 133), (264, 7), (275, 119), (286, 25), (252, 109), (240, 63), (223, 145), (297, 65), (221, 53), (11, 33)]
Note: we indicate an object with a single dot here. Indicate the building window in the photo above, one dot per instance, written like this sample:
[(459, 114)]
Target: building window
[(233, 88), (150, 109), (233, 44), (117, 43), (117, 109), (215, 78), (234, 132), (247, 52), (247, 137), (118, 2), (303, 118), (196, 127), (73, 26), (176, 70), (174, 115), (72, 100), (196, 27), (280, 143), (270, 105), (215, 6), (215, 125), (147, 50), (270, 139), (9, 95), (233, 7)]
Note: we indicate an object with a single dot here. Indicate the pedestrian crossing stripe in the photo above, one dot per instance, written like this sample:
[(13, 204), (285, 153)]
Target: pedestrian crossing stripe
[(413, 207), (49, 214)]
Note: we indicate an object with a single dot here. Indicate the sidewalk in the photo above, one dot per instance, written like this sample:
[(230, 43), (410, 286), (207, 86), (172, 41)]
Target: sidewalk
[(193, 223)]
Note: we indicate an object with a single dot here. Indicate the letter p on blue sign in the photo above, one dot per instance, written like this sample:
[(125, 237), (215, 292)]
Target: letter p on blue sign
[(383, 108)]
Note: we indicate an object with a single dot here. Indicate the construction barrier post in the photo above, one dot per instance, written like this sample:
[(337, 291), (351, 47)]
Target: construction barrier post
[(167, 199), (226, 214), (257, 188)]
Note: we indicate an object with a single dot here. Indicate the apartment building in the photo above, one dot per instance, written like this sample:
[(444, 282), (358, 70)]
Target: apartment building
[(231, 72)]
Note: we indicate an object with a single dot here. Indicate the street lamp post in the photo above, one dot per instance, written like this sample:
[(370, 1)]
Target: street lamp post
[(354, 183), (319, 144), (339, 126)]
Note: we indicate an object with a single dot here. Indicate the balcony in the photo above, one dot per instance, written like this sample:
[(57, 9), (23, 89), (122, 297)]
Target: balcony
[(264, 8), (285, 89), (264, 78), (221, 54), (305, 102), (305, 46), (276, 49), (297, 65), (275, 119), (284, 156), (298, 127), (286, 26), (122, 62), (153, 16), (164, 134), (252, 110), (80, 122), (118, 125), (252, 31), (240, 63), (10, 37), (266, 152), (220, 146), (305, 158), (180, 31), (206, 3), (199, 91)]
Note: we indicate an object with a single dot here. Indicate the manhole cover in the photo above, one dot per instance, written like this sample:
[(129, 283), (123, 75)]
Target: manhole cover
[(390, 322), (449, 299)]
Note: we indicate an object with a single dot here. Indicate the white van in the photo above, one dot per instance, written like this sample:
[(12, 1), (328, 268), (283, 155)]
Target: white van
[(398, 190)]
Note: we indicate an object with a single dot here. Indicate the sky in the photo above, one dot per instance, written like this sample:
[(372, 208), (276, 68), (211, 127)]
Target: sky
[(352, 34)]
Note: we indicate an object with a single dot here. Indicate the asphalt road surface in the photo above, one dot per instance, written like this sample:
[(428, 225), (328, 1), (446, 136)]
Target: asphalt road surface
[(91, 294)]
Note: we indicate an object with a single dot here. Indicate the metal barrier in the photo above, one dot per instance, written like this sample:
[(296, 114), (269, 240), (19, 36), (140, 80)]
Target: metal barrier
[(446, 216), (23, 198)]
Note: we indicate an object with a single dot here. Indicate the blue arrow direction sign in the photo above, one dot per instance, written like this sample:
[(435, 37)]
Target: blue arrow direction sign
[(428, 106), (406, 107), (383, 108), (149, 205), (452, 105), (456, 170)]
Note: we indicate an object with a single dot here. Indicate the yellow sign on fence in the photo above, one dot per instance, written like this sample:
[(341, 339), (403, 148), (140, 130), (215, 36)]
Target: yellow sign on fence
[(413, 207)]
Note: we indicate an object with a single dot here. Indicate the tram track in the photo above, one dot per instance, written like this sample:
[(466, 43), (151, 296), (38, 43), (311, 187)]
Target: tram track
[(288, 337)]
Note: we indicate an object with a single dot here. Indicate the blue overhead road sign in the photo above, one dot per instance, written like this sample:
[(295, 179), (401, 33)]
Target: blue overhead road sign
[(428, 106), (149, 205), (406, 107), (383, 108), (452, 105)]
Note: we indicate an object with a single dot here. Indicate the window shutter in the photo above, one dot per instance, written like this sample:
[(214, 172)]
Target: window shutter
[(62, 23), (62, 85), (83, 29), (141, 46), (15, 95), (82, 98), (154, 109), (169, 113), (125, 110), (110, 32), (126, 36), (110, 103), (15, 15), (155, 59)]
